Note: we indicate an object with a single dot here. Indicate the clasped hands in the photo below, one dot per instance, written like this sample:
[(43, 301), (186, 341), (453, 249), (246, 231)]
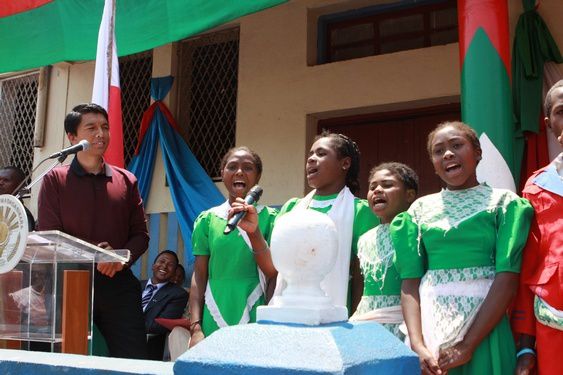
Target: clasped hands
[(451, 357), (109, 269)]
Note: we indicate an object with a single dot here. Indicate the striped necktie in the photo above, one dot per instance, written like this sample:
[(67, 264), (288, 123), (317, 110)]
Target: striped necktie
[(147, 297)]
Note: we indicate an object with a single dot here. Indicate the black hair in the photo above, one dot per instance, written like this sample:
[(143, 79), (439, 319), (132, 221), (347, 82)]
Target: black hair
[(467, 131), (167, 252), (73, 118), (255, 156), (183, 270), (406, 174), (17, 172), (548, 103), (346, 147)]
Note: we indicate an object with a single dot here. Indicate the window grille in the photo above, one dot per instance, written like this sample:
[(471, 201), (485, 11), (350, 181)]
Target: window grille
[(18, 100), (386, 29), (208, 80), (135, 78)]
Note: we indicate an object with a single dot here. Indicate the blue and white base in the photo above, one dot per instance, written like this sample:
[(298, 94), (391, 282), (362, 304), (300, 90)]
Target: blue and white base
[(340, 348)]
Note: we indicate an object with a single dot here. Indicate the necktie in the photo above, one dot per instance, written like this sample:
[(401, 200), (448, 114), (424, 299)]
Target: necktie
[(147, 297)]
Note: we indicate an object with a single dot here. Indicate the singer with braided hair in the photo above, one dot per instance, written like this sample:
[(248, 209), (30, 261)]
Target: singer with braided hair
[(332, 170)]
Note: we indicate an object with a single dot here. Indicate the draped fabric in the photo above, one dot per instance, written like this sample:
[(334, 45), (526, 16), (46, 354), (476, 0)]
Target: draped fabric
[(533, 47), (191, 189), (41, 32)]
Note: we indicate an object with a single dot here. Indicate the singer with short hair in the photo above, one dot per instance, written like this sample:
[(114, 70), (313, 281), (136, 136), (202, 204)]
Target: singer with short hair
[(100, 203), (227, 285)]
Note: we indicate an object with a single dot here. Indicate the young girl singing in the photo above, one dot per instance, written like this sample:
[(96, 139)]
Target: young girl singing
[(226, 286), (459, 254), (392, 189), (332, 171)]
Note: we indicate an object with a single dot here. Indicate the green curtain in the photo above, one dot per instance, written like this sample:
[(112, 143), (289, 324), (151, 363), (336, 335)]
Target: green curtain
[(533, 46)]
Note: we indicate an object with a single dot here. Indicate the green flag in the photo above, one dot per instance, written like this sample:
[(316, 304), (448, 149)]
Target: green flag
[(36, 33), (533, 46)]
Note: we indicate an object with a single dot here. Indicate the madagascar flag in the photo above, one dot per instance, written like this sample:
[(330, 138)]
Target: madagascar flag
[(107, 90), (36, 33), (486, 100)]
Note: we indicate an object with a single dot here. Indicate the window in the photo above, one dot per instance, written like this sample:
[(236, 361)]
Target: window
[(386, 29), (208, 81), (18, 101), (135, 78)]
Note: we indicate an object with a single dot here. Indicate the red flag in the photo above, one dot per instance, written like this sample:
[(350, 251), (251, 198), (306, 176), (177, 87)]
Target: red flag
[(107, 91)]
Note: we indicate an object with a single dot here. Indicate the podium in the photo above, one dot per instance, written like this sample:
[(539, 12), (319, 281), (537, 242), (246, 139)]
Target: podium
[(46, 300)]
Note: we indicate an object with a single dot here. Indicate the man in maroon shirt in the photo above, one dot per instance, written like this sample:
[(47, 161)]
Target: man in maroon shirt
[(101, 204)]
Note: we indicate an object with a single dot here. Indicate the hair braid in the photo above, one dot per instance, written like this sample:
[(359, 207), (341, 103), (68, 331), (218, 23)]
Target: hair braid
[(346, 147)]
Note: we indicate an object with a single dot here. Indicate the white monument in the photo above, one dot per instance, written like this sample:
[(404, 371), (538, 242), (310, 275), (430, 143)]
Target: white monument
[(304, 246)]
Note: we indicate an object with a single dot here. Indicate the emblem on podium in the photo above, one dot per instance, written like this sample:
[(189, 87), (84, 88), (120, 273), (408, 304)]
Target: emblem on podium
[(13, 232)]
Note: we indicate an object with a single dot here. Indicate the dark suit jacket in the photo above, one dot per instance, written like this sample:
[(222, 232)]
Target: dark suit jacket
[(169, 302)]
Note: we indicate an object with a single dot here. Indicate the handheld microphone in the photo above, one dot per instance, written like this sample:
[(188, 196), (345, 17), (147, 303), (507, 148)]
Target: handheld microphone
[(83, 145), (252, 197)]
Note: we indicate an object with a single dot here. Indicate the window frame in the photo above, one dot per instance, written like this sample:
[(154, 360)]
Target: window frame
[(375, 15)]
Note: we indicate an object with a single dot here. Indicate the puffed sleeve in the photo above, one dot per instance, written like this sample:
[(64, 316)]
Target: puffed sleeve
[(200, 235), (513, 225), (409, 251)]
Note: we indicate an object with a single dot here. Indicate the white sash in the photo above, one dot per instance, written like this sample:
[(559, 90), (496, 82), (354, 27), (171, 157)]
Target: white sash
[(335, 283), (390, 315), (216, 313)]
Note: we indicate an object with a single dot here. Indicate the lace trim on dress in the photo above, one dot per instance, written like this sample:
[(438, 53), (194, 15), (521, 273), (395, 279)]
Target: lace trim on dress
[(375, 253), (448, 209), (449, 302)]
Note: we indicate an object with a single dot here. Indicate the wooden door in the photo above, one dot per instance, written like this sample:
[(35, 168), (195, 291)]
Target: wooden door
[(395, 136)]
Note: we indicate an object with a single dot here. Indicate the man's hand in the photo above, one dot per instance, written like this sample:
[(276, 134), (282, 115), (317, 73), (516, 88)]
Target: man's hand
[(108, 269)]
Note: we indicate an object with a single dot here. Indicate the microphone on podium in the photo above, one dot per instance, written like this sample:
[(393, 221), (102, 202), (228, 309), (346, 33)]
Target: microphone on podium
[(83, 145), (252, 197)]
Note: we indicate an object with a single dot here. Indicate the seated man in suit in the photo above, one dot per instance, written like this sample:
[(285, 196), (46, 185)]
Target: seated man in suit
[(161, 298)]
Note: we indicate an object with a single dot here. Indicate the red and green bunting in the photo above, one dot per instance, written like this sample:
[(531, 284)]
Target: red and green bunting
[(486, 100), (36, 33)]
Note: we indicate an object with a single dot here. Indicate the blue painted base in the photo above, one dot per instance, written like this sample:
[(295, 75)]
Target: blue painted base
[(341, 348), (19, 362)]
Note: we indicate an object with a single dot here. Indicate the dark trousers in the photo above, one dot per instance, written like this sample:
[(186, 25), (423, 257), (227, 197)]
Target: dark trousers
[(118, 314)]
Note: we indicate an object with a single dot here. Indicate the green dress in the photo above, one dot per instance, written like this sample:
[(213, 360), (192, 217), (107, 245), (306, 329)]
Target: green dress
[(234, 290), (364, 220), (462, 238), (382, 283)]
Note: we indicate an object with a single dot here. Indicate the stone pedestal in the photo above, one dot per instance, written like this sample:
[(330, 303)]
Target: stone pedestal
[(340, 348)]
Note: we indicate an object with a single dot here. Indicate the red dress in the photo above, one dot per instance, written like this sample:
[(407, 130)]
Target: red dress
[(542, 268)]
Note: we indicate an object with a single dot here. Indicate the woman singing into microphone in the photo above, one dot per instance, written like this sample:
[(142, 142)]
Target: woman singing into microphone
[(229, 277)]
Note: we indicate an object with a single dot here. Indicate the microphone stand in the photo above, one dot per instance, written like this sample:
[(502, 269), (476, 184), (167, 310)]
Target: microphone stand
[(24, 191)]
